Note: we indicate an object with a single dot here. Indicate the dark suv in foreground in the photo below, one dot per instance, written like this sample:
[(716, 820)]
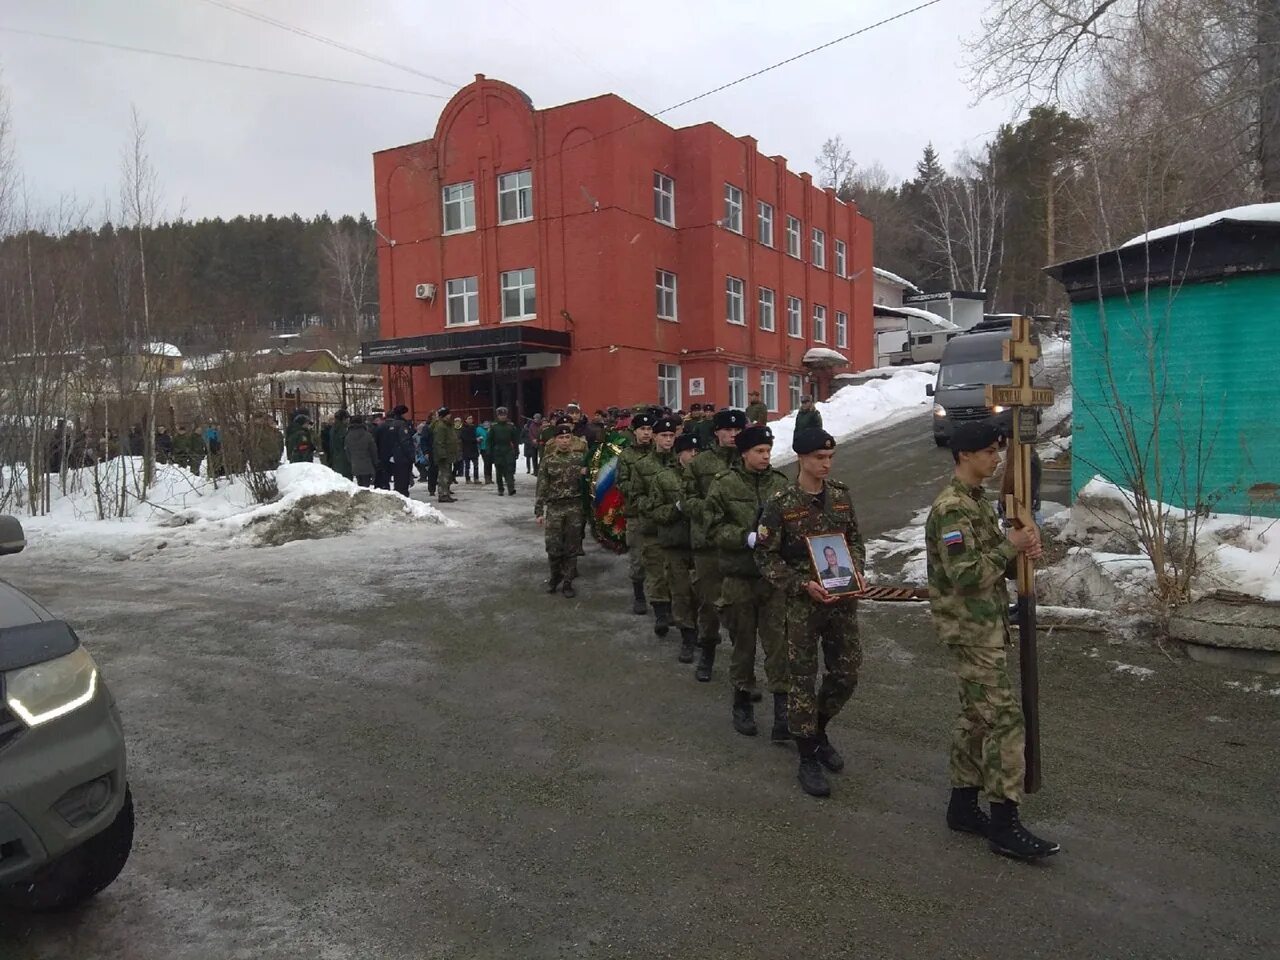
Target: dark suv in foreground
[(66, 815)]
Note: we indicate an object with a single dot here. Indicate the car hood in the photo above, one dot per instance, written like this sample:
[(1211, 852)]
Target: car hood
[(17, 609)]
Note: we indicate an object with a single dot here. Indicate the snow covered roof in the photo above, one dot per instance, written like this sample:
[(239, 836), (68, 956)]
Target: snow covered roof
[(933, 319), (1250, 213), (823, 355), (895, 279), (159, 349)]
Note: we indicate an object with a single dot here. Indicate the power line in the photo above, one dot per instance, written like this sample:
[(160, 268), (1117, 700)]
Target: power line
[(337, 44), (219, 63)]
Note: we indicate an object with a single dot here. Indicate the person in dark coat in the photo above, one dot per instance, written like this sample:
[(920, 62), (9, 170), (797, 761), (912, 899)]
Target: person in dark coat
[(300, 440), (361, 451), (383, 436), (164, 444), (397, 441), (469, 441), (339, 462)]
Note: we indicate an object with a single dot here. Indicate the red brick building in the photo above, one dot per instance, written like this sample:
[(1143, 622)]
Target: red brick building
[(591, 252)]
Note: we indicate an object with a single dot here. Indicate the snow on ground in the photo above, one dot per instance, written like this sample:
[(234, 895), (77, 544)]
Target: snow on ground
[(898, 395), (188, 507), (1142, 673), (905, 545)]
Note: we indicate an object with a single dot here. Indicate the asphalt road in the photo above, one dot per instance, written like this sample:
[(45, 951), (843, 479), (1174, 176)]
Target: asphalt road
[(395, 745)]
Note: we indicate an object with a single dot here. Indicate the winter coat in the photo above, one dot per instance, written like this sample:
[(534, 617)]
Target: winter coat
[(627, 460), (339, 462), (503, 441), (444, 442), (300, 441), (640, 486), (704, 468), (757, 413), (362, 450), (395, 441), (482, 438), (671, 485), (809, 419), (469, 441), (164, 447), (733, 508)]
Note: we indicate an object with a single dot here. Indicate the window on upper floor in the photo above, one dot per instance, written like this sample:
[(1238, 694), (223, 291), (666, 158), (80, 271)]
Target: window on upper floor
[(842, 329), (734, 305), (462, 302), (793, 236), (515, 196), (764, 306), (819, 323), (764, 223), (459, 207), (665, 290), (795, 317), (819, 253), (519, 301), (664, 199), (842, 259), (732, 208)]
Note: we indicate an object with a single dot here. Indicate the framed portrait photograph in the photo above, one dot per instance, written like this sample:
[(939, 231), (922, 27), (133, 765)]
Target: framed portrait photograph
[(833, 565)]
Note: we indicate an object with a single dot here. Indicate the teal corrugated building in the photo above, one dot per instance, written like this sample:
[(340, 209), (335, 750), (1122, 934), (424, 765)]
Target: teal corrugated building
[(1176, 337)]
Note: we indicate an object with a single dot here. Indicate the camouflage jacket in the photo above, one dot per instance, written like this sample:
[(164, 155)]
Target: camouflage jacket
[(670, 485), (704, 468), (627, 461), (969, 561), (560, 480), (782, 552), (445, 445), (732, 510), (643, 473), (757, 413), (808, 420)]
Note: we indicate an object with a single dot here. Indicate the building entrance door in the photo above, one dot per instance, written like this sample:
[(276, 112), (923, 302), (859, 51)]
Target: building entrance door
[(523, 398)]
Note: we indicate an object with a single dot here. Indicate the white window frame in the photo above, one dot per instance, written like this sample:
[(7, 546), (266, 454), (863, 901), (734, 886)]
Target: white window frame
[(524, 283), (764, 223), (669, 385), (737, 387), (842, 329), (767, 309), (842, 259), (664, 196), (818, 248), (795, 390), (665, 291), (468, 296), (465, 200), (519, 183), (794, 227), (732, 208), (795, 318), (735, 301), (819, 323), (769, 389)]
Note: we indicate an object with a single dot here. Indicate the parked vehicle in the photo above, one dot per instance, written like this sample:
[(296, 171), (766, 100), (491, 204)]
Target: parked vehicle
[(66, 814), (969, 363)]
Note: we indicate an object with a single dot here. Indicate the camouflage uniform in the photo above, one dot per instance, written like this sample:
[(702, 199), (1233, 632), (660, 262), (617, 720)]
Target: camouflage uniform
[(782, 555), (749, 604), (757, 412), (503, 442), (643, 475), (669, 532), (559, 499), (445, 447), (969, 561), (627, 461), (704, 468)]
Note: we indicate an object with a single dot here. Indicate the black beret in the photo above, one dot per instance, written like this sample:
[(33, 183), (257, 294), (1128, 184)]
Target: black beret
[(807, 441), (400, 410), (563, 429), (729, 420), (564, 421), (754, 437), (641, 420), (665, 425), (442, 411), (694, 406), (688, 441), (975, 435)]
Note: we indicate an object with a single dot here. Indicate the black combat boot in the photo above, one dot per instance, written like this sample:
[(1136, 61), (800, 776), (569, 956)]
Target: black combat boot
[(688, 642), (1008, 837), (661, 617), (827, 755), (553, 581), (638, 605), (568, 590), (965, 815), (780, 732), (706, 660), (744, 720), (812, 780)]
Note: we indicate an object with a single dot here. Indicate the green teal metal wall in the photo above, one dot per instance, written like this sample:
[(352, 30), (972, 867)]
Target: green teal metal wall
[(1204, 362)]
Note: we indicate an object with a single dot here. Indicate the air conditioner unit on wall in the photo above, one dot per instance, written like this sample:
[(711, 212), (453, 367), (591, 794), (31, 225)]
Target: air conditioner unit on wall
[(425, 291)]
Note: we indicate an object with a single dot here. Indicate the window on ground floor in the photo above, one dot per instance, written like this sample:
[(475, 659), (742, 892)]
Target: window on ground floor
[(738, 387), (795, 389), (769, 389)]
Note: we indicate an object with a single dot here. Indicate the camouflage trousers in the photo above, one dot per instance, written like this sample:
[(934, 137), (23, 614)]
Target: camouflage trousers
[(989, 739), (679, 577), (751, 608), (562, 526), (834, 629), (709, 580), (444, 482), (654, 562), (635, 550)]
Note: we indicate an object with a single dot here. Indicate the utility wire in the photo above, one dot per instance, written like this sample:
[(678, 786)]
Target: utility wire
[(310, 35), (219, 63)]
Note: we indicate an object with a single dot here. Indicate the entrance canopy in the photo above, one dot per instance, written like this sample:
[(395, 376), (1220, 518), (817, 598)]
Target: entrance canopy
[(462, 344)]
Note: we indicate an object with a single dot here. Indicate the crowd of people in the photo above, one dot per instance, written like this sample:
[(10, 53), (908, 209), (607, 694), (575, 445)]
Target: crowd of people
[(717, 538)]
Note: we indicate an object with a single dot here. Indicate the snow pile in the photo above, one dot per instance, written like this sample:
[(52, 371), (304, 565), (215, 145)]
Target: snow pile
[(854, 409), (905, 545), (1250, 213), (896, 280), (313, 501)]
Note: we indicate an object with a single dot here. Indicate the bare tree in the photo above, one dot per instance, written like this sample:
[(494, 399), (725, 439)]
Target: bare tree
[(350, 255), (835, 165), (966, 224)]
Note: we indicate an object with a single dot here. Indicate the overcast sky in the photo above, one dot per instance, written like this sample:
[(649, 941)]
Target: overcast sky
[(227, 142)]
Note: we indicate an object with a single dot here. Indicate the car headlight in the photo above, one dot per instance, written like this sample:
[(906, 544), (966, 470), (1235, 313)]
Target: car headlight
[(997, 409), (46, 691), (939, 410)]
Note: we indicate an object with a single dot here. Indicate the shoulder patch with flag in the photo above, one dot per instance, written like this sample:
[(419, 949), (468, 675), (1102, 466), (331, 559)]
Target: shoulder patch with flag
[(953, 540)]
